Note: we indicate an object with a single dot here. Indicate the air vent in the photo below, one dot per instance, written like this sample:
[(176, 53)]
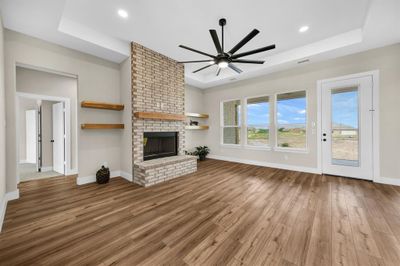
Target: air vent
[(303, 61)]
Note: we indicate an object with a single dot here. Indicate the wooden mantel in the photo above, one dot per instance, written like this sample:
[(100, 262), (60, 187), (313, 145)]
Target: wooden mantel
[(159, 116)]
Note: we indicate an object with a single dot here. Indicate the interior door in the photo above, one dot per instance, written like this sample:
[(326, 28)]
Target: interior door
[(31, 136), (58, 138), (347, 128)]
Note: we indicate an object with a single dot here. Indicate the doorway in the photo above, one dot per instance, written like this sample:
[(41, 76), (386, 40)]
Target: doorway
[(348, 133), (43, 136)]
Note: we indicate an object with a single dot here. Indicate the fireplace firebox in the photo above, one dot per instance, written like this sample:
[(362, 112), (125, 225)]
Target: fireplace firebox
[(159, 145)]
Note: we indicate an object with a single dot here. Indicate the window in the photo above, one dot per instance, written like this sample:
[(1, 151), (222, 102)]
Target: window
[(291, 117), (231, 122), (257, 121)]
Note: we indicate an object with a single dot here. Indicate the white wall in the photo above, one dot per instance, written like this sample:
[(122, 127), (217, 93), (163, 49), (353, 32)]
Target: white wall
[(2, 126), (194, 103), (25, 104), (126, 135), (47, 133), (98, 80), (386, 59)]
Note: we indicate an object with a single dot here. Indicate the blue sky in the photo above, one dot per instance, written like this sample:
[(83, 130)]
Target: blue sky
[(345, 108), (293, 111), (289, 112)]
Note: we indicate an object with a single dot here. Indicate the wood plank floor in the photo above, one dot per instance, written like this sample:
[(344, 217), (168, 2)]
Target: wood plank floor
[(225, 214)]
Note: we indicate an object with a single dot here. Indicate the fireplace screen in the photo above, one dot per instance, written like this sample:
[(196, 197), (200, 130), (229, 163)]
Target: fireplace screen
[(159, 144)]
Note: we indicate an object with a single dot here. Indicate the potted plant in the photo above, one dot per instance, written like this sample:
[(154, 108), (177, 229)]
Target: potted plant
[(202, 152)]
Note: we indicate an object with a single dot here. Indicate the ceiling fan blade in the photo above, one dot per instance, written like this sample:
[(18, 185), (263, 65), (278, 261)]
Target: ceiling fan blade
[(235, 68), (214, 36), (245, 40), (196, 51), (200, 69), (218, 70), (259, 50), (195, 61), (248, 61)]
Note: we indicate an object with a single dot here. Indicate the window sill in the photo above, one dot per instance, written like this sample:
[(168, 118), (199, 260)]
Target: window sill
[(234, 146), (260, 148), (291, 150)]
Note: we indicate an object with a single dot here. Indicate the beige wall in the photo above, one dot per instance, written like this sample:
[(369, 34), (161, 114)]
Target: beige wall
[(2, 120), (126, 138), (25, 104), (194, 103), (48, 84), (386, 59), (98, 80)]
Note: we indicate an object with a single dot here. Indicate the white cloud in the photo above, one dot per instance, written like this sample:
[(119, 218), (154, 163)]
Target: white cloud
[(303, 111)]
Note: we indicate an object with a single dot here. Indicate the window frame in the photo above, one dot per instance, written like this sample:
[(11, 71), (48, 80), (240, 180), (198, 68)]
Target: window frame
[(222, 126), (276, 124), (245, 125)]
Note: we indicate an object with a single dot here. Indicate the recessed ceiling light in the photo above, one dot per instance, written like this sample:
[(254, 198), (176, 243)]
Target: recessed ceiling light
[(122, 13), (303, 29)]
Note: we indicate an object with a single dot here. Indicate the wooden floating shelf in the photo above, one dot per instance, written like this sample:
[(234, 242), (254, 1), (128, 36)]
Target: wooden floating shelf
[(101, 105), (197, 115), (197, 127), (102, 126), (159, 116)]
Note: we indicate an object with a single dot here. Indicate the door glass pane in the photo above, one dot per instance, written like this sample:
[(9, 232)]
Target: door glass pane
[(345, 127)]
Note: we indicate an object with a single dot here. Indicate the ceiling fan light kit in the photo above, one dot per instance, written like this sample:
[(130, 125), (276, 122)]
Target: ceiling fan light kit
[(227, 59)]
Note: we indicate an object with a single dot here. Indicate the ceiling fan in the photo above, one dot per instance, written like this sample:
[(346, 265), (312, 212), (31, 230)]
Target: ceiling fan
[(226, 59)]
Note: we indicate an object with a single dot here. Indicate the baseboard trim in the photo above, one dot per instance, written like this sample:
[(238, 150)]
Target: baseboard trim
[(92, 178), (47, 168), (266, 164), (3, 207), (127, 176), (388, 181), (13, 195), (71, 172)]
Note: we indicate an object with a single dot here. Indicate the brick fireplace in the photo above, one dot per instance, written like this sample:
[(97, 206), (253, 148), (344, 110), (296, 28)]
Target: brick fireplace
[(157, 87)]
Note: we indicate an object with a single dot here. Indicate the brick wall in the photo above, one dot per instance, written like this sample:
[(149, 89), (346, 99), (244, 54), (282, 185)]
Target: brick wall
[(158, 85)]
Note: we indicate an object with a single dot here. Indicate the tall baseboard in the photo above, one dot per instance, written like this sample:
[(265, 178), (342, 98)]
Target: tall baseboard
[(3, 207), (266, 164), (127, 176), (47, 168), (3, 204), (388, 181), (92, 178)]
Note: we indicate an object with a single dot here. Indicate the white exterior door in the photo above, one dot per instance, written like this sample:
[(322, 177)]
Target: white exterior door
[(58, 138), (31, 136), (347, 142)]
